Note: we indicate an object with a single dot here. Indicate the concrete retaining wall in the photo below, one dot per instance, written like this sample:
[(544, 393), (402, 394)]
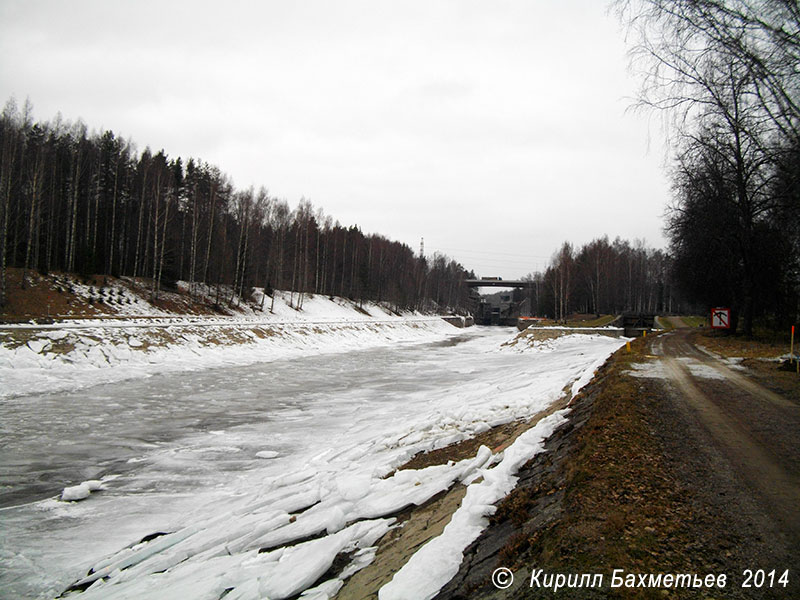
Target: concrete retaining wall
[(459, 321)]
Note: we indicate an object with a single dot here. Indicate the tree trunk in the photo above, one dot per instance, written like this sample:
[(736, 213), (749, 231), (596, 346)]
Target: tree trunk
[(139, 229), (110, 263), (7, 162), (153, 290), (210, 235), (36, 191), (73, 220), (163, 245)]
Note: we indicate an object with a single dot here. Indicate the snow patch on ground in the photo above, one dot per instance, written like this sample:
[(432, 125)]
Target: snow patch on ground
[(700, 369), (735, 363), (657, 370), (648, 370)]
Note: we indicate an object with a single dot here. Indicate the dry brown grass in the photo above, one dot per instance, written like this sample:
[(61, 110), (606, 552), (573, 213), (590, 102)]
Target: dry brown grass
[(581, 320), (51, 296), (621, 508), (739, 346), (43, 296)]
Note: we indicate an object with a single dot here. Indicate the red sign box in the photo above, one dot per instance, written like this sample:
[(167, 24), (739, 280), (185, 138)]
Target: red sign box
[(720, 318)]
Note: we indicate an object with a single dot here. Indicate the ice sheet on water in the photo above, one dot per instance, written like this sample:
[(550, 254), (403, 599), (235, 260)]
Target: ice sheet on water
[(336, 473)]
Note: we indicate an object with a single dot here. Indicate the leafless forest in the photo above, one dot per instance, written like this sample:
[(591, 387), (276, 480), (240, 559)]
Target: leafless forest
[(724, 74)]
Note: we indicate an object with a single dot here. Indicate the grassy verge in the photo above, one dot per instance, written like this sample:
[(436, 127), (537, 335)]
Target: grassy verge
[(600, 321), (696, 321), (581, 321), (760, 359), (761, 346)]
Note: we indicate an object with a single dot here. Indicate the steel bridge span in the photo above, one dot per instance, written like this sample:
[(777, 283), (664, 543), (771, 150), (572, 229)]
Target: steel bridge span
[(516, 283)]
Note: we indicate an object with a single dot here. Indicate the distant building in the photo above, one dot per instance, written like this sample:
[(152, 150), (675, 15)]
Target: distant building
[(499, 309)]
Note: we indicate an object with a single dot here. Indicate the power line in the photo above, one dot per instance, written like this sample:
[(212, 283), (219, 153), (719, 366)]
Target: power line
[(499, 270), (501, 262), (481, 252)]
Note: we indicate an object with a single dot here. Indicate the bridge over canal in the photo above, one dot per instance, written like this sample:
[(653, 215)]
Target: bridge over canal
[(506, 283)]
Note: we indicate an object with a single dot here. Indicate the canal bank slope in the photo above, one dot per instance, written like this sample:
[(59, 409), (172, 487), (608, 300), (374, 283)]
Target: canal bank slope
[(655, 474), (46, 354), (320, 468)]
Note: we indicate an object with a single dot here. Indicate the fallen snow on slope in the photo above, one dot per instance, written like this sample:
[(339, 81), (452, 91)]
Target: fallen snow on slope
[(437, 562), (76, 354)]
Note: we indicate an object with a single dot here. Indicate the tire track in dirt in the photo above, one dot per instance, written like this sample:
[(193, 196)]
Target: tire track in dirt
[(735, 413)]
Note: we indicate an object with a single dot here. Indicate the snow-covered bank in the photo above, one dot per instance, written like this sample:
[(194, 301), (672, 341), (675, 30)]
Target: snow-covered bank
[(75, 354), (435, 563)]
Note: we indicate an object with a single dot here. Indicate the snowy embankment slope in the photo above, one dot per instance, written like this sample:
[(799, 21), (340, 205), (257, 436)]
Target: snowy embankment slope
[(80, 353), (276, 532)]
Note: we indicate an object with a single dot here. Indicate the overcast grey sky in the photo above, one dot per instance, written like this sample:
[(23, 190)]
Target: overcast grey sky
[(495, 130)]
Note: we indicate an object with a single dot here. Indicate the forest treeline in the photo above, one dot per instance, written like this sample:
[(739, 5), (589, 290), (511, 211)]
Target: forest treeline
[(90, 203), (724, 71), (605, 277), (726, 74)]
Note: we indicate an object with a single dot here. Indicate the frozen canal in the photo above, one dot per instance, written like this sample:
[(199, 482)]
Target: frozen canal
[(225, 456)]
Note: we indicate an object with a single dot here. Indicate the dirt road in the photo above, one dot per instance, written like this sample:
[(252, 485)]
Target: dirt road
[(736, 443), (755, 432), (686, 463)]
